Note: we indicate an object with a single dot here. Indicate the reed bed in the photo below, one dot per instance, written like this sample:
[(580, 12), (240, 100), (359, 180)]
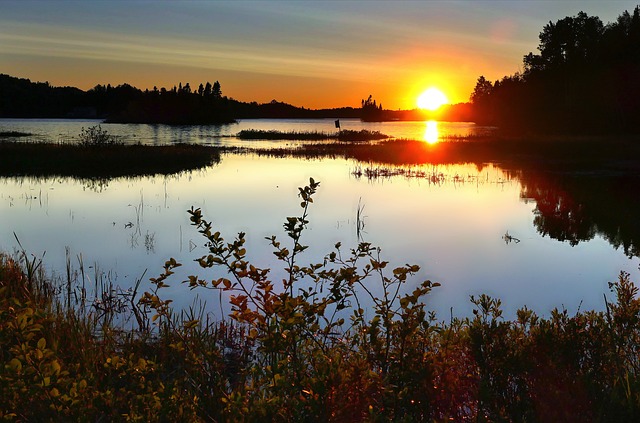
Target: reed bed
[(343, 135)]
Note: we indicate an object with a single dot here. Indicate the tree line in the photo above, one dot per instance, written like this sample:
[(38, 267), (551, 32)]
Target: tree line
[(584, 78), (181, 104)]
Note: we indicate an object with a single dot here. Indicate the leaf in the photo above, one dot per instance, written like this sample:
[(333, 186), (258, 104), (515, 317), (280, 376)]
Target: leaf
[(15, 364), (42, 344), (191, 324), (55, 367)]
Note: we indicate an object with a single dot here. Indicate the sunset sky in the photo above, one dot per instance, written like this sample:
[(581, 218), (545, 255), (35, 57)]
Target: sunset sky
[(313, 54)]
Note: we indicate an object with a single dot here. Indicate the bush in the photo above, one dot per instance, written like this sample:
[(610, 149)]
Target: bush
[(95, 136)]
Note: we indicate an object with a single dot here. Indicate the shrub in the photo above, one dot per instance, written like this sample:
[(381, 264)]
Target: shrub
[(95, 136)]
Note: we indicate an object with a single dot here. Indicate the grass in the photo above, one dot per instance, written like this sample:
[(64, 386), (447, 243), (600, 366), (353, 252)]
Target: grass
[(106, 161), (307, 352), (343, 135)]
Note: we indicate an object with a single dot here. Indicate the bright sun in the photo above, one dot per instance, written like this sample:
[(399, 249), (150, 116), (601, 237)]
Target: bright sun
[(432, 99)]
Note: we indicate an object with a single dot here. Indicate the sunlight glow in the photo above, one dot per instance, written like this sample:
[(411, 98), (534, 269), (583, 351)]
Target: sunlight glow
[(431, 133), (432, 99)]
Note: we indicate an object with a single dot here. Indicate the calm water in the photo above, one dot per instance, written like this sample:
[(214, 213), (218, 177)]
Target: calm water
[(453, 226), (68, 130)]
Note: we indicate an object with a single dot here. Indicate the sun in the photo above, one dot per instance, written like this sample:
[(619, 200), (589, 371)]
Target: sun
[(432, 99)]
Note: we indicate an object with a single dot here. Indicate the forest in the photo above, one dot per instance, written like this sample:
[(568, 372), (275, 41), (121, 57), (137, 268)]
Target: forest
[(585, 78)]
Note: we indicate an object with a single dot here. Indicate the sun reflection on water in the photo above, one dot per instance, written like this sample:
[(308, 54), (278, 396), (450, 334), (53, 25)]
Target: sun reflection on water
[(431, 132)]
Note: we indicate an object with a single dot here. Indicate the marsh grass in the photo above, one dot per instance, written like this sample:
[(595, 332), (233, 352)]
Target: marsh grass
[(105, 161), (343, 135)]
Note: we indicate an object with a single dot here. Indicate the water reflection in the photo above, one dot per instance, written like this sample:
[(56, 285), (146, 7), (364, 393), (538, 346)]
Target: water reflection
[(576, 208), (431, 132)]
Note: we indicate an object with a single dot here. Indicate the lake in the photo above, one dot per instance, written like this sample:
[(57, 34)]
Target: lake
[(568, 235)]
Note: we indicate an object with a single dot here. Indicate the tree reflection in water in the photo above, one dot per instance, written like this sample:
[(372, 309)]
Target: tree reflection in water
[(576, 208)]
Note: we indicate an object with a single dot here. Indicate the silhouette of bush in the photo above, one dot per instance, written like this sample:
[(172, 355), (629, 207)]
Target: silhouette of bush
[(95, 136)]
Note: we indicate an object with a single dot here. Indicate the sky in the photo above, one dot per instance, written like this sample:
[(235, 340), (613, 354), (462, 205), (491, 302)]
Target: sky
[(315, 54)]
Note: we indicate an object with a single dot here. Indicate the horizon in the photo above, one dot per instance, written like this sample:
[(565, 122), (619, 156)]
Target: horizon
[(316, 55)]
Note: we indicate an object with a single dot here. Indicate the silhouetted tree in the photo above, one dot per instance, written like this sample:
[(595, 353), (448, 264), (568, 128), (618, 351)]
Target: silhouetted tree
[(216, 91), (370, 110), (572, 41), (482, 90)]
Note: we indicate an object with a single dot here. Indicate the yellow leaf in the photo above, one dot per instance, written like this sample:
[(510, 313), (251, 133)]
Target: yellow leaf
[(42, 343), (15, 364), (54, 392), (55, 367)]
